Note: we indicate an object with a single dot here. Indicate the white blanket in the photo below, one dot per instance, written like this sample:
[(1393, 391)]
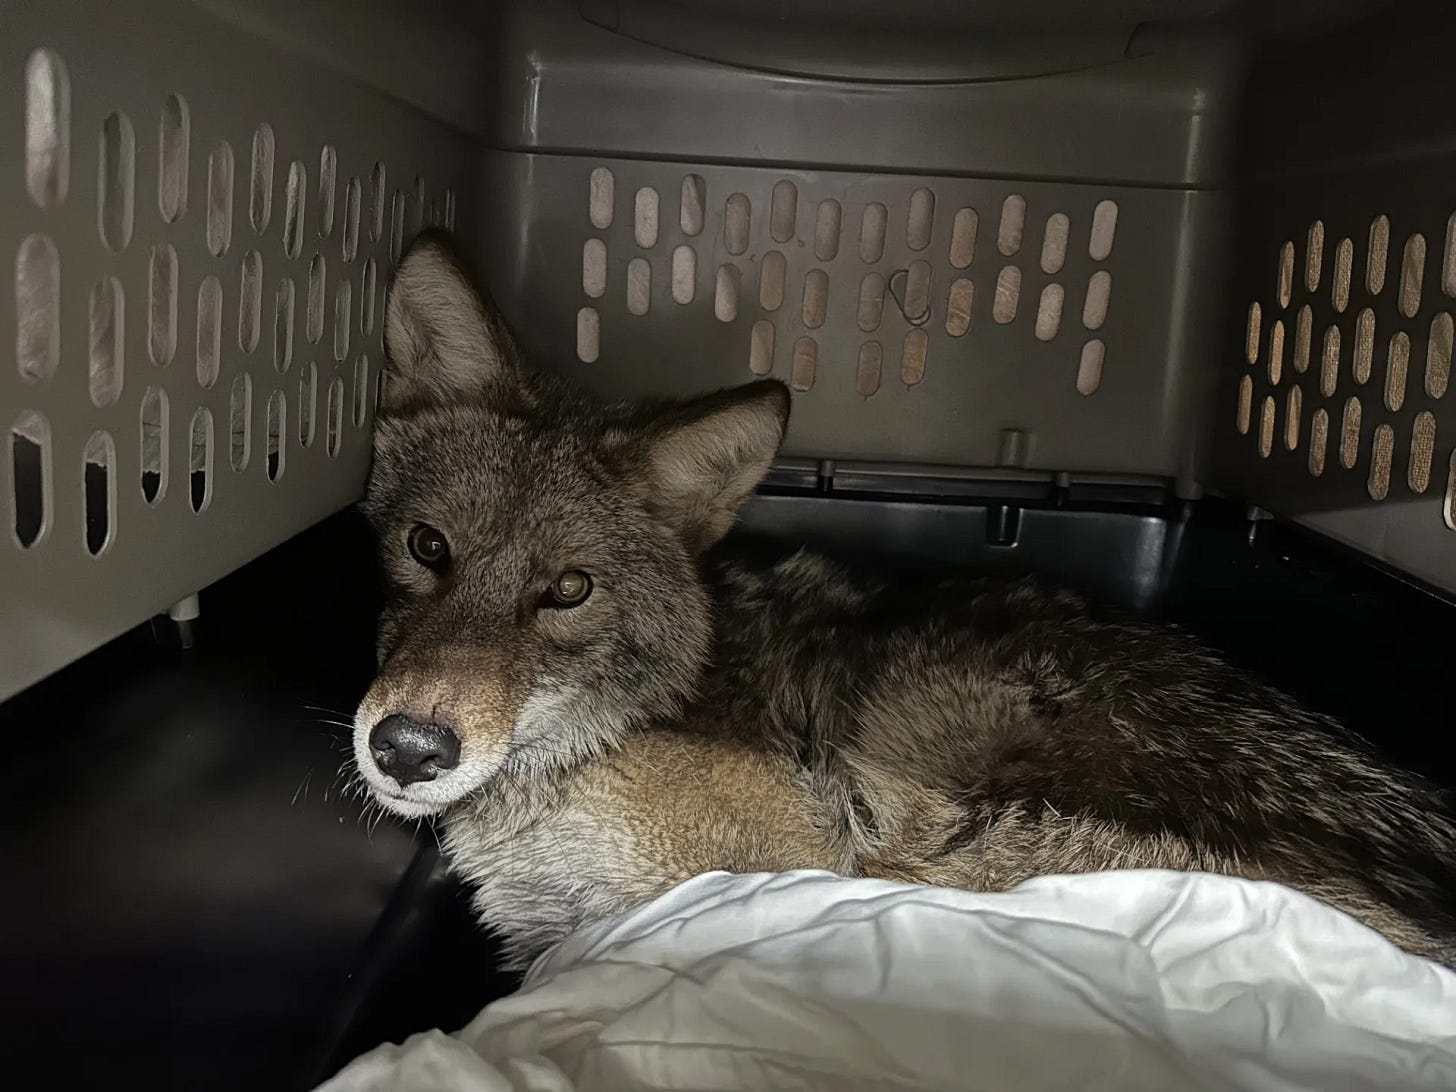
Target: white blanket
[(1127, 980)]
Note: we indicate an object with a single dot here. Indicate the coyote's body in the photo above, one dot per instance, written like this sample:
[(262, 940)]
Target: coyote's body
[(600, 707)]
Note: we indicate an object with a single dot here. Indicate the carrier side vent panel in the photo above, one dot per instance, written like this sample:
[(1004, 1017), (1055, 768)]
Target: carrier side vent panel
[(914, 318), (1359, 394), (183, 230)]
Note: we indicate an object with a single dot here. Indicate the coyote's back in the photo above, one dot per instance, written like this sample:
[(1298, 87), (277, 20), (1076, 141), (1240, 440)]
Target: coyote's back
[(600, 705)]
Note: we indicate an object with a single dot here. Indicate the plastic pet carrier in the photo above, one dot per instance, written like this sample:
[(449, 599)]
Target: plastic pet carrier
[(1153, 298)]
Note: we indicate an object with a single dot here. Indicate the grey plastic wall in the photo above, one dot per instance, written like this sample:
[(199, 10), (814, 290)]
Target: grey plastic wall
[(978, 375), (1158, 110), (122, 62), (1350, 428)]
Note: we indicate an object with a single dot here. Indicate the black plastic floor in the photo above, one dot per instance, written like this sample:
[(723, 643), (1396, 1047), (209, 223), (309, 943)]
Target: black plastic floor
[(191, 902)]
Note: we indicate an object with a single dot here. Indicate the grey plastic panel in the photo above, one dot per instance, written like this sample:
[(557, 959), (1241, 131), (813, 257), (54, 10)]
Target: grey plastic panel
[(931, 40), (918, 42), (426, 53), (1162, 117), (1118, 557), (999, 394), (57, 601), (1374, 160)]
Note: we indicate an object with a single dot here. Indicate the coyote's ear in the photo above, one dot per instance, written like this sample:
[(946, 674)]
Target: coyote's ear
[(696, 462), (444, 340)]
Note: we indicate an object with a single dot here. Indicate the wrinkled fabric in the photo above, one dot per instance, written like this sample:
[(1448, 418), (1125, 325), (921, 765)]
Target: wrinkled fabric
[(807, 981)]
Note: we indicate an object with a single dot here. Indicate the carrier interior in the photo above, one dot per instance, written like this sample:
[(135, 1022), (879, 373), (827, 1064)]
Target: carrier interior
[(1151, 298)]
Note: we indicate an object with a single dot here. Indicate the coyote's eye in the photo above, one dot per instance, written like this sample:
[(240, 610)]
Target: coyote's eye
[(570, 589), (429, 547)]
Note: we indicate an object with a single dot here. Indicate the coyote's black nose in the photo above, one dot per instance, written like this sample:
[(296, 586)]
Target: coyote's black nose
[(410, 750)]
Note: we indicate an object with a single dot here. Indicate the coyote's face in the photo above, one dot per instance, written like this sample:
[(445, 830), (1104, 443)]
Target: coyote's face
[(540, 551)]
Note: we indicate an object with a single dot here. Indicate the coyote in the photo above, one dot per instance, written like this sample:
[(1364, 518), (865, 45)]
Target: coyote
[(598, 706)]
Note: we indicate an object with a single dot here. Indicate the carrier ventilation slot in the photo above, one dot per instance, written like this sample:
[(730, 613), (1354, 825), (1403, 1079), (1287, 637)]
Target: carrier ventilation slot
[(30, 477)]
